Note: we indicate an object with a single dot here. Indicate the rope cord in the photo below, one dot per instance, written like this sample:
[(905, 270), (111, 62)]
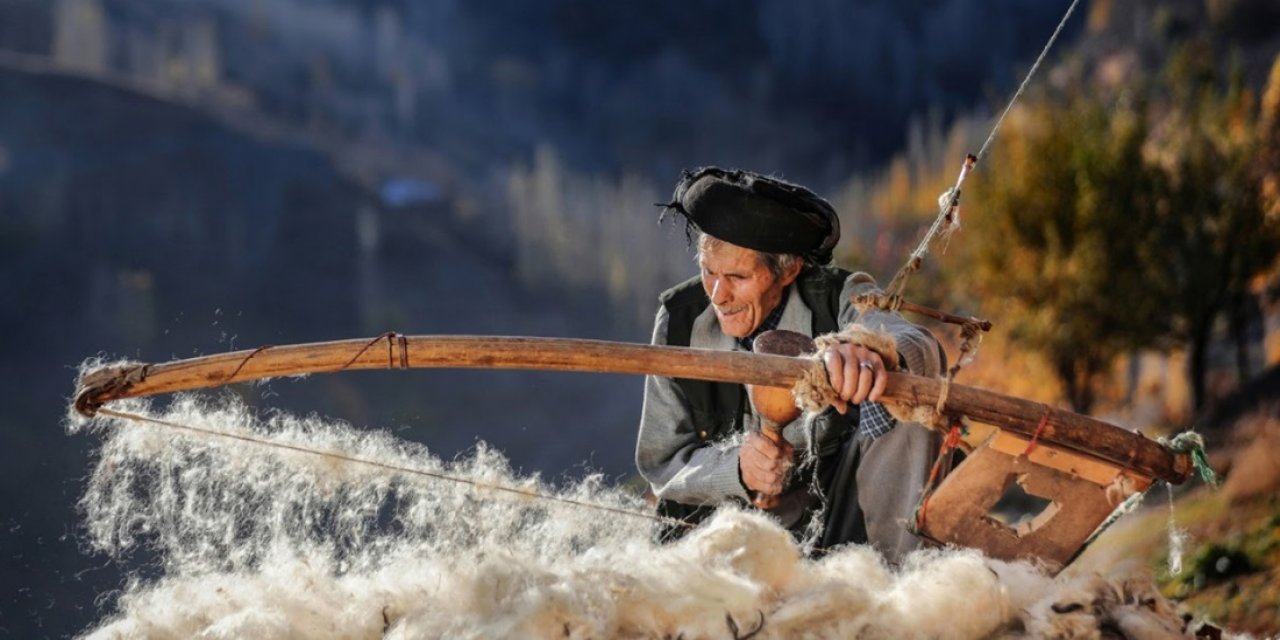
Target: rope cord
[(1035, 438), (947, 218), (1191, 442), (971, 338), (948, 445), (389, 467), (949, 202), (947, 221), (1026, 80)]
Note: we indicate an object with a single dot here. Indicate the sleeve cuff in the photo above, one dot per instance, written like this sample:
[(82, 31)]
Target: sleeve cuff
[(727, 480)]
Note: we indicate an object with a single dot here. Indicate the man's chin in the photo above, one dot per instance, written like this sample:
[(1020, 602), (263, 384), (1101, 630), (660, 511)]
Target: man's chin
[(733, 330)]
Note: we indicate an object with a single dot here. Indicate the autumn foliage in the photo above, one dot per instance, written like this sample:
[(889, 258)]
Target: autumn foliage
[(1110, 220)]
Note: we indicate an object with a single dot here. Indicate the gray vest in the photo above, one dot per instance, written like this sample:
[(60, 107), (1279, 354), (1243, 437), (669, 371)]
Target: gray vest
[(718, 408)]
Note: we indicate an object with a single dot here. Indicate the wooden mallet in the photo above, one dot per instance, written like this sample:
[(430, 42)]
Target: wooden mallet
[(775, 405)]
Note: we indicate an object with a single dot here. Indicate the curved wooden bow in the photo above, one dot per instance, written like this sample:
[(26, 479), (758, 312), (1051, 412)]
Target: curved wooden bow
[(1079, 433)]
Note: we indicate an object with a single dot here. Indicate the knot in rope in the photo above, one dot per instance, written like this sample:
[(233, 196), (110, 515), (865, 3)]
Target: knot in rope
[(1192, 443)]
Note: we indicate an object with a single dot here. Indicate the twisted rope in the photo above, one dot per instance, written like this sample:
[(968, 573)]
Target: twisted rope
[(948, 218), (1026, 80), (1192, 443)]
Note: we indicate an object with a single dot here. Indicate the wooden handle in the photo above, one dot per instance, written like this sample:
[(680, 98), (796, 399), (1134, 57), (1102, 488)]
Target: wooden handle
[(776, 406), (772, 403)]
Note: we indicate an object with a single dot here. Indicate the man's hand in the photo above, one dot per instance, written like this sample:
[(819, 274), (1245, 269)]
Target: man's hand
[(856, 373), (764, 463)]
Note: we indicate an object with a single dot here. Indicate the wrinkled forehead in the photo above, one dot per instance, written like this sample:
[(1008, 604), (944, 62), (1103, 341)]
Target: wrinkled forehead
[(724, 254)]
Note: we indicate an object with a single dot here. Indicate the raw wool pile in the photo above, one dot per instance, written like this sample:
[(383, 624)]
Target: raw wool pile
[(266, 542)]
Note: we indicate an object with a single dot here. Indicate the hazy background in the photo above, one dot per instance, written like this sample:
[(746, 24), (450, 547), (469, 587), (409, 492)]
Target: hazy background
[(189, 177)]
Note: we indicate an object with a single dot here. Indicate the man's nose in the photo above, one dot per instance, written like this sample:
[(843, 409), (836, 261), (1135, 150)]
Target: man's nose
[(719, 292)]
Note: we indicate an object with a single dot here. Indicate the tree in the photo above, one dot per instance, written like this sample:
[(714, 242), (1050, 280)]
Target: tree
[(1101, 234), (1212, 222), (1063, 237)]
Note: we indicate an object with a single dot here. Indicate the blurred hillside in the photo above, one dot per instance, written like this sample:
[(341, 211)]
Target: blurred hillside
[(618, 88), (494, 106)]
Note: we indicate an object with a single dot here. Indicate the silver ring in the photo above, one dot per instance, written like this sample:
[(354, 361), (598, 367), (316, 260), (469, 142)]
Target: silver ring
[(866, 365)]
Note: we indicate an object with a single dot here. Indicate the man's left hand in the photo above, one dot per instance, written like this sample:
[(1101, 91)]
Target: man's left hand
[(856, 373)]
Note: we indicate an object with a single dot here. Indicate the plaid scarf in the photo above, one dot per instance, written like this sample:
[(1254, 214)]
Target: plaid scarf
[(770, 323)]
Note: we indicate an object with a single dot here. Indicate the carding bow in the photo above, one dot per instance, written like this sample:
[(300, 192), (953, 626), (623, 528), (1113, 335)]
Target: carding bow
[(1029, 419)]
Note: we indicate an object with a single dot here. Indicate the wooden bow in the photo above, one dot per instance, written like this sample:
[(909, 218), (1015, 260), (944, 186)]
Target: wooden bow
[(1076, 432)]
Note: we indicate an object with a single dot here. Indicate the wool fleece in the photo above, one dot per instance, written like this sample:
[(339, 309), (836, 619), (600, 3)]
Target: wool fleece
[(287, 527)]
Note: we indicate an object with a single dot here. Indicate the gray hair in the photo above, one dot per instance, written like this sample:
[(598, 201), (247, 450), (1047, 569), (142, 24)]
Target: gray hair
[(777, 263)]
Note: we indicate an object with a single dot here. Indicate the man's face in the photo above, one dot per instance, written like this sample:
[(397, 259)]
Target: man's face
[(743, 292)]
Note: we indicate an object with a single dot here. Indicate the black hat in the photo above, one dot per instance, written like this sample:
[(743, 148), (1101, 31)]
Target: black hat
[(757, 212)]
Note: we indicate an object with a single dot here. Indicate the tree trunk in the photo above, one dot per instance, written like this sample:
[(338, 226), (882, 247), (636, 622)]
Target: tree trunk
[(1133, 377), (1077, 385), (1198, 363), (1084, 397), (1240, 316)]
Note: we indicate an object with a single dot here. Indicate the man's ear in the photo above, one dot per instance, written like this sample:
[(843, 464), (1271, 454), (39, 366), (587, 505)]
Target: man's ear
[(792, 273)]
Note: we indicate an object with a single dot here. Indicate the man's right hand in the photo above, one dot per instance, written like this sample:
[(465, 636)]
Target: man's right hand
[(764, 464), (856, 373)]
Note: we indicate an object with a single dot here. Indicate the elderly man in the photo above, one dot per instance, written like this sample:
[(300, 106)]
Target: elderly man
[(764, 246)]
